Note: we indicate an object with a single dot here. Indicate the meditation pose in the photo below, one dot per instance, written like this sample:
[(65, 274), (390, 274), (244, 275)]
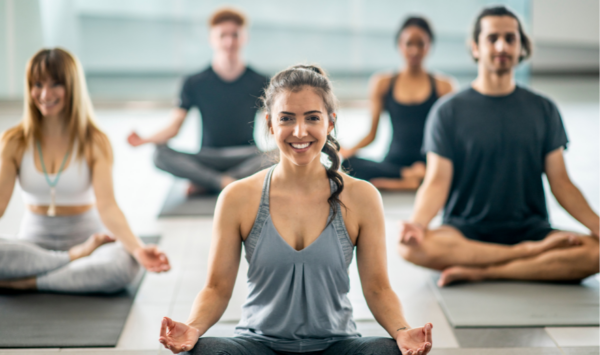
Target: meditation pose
[(64, 166), (299, 222), (487, 149), (226, 93), (407, 96)]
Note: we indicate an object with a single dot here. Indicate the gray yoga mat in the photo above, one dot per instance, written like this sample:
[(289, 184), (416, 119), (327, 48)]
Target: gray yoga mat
[(52, 320), (519, 304), (178, 204)]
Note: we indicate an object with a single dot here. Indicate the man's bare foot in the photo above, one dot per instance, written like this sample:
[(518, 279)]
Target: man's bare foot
[(408, 184), (88, 247), (460, 273), (20, 284), (558, 240), (194, 190)]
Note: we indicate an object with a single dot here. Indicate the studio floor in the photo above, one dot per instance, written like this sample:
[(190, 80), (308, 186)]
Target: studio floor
[(141, 189)]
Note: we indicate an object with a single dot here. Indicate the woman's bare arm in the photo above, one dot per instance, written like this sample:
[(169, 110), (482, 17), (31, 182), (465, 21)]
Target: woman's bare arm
[(367, 208), (113, 218), (378, 86), (223, 261), (383, 302), (8, 171)]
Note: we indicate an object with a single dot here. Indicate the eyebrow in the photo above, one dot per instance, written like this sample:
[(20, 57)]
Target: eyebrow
[(306, 113)]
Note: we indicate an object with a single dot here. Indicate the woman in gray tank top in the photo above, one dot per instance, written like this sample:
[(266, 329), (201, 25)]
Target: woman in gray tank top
[(299, 223)]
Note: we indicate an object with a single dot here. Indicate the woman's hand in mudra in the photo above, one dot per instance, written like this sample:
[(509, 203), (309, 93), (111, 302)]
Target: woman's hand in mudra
[(176, 336), (152, 258), (415, 341)]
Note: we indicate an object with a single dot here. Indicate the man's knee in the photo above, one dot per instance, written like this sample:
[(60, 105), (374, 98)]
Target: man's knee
[(160, 156), (222, 346)]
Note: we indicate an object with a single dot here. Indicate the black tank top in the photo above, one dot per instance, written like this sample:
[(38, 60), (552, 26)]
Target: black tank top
[(408, 125)]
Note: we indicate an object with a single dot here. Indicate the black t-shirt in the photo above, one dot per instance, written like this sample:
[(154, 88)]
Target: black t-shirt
[(497, 146), (228, 109)]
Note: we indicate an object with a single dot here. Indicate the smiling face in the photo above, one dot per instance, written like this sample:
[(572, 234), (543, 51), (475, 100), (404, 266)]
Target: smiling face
[(414, 45), (300, 124), (227, 38), (499, 44), (48, 96)]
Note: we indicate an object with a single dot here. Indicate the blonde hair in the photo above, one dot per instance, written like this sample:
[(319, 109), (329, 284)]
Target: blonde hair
[(64, 68)]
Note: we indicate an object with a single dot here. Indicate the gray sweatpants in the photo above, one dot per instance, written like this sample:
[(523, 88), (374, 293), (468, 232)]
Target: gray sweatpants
[(42, 251), (207, 167)]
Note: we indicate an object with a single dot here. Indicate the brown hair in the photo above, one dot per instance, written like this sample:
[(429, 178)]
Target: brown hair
[(227, 14), (63, 68), (526, 45), (294, 79)]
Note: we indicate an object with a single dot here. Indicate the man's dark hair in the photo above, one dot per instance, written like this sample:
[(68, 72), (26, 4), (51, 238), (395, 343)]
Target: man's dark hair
[(526, 45), (416, 21)]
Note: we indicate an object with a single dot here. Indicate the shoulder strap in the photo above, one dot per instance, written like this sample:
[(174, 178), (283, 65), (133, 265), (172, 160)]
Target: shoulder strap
[(340, 228), (392, 83), (264, 198), (433, 87), (261, 217)]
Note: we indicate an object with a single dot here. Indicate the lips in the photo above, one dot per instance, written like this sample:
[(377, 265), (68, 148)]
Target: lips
[(300, 146)]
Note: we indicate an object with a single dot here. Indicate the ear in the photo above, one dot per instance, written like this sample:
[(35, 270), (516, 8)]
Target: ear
[(332, 123), (269, 125), (475, 50)]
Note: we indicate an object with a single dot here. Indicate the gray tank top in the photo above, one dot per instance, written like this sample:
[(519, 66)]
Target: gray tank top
[(297, 300)]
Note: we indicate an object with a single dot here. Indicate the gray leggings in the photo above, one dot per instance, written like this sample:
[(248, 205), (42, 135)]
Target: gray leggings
[(246, 346), (207, 167), (42, 251)]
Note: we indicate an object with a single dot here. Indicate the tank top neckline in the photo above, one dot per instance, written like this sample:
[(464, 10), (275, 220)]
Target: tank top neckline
[(432, 95), (68, 164), (266, 195)]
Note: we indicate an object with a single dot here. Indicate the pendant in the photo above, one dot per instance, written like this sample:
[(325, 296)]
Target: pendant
[(52, 207)]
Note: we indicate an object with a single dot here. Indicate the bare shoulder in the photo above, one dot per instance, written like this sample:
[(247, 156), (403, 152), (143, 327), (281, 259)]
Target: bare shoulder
[(243, 193), (445, 84), (380, 83), (12, 144), (360, 194)]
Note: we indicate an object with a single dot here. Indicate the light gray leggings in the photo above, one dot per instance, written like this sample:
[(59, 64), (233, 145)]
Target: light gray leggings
[(42, 251)]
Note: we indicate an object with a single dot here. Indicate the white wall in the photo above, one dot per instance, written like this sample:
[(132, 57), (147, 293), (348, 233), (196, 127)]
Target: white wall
[(20, 38), (566, 35)]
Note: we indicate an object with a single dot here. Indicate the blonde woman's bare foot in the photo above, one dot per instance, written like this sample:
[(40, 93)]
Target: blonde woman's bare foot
[(92, 243)]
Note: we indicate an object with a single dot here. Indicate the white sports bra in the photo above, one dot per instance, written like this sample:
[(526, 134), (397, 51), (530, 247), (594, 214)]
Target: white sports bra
[(74, 187)]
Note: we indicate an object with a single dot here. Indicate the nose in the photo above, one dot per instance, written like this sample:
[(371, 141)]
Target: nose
[(500, 44), (45, 93), (300, 129)]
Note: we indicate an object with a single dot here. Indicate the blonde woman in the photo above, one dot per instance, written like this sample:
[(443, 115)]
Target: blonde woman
[(63, 162)]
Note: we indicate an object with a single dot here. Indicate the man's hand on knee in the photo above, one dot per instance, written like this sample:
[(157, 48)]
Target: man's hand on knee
[(411, 234)]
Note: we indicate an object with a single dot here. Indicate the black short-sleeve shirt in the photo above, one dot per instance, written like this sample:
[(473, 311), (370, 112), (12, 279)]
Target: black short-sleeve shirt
[(228, 109), (498, 147)]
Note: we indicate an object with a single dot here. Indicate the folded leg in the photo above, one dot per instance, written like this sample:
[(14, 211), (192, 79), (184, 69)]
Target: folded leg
[(230, 346), (108, 269), (251, 165), (187, 166), (19, 259), (367, 169), (561, 264), (364, 346)]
